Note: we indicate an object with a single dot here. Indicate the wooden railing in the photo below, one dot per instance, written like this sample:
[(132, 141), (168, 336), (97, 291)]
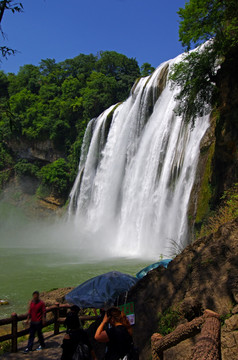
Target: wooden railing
[(207, 345), (56, 320)]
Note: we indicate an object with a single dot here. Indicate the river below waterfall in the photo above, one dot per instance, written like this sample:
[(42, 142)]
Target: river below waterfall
[(24, 270), (44, 255)]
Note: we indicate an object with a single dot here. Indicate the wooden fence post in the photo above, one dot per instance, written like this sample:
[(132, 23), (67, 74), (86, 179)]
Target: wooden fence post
[(14, 332), (56, 319)]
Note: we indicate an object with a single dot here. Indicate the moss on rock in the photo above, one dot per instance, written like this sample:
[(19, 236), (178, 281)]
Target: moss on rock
[(205, 192)]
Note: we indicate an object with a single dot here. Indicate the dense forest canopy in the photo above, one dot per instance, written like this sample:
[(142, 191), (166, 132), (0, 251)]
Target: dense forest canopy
[(55, 101)]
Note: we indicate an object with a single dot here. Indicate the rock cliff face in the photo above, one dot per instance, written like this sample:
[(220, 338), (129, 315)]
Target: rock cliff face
[(218, 164), (226, 151), (201, 193), (20, 193), (204, 275), (40, 150), (229, 337)]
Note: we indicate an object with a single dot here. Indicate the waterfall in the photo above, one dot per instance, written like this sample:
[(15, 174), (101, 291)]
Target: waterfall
[(136, 172)]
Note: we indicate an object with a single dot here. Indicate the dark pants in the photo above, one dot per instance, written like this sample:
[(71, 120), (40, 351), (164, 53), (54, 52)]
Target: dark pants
[(69, 348), (35, 327)]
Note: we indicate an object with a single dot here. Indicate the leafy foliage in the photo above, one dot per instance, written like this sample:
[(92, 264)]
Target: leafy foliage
[(227, 211), (223, 318), (56, 176), (23, 167), (215, 21), (168, 321), (54, 102), (202, 20), (146, 69), (14, 7), (195, 75), (6, 160)]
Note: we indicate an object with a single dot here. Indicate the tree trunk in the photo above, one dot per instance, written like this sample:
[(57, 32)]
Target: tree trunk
[(208, 344), (182, 332), (207, 347)]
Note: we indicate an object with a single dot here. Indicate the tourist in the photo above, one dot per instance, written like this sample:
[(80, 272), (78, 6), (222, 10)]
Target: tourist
[(75, 343), (98, 347), (72, 319), (118, 336), (37, 318)]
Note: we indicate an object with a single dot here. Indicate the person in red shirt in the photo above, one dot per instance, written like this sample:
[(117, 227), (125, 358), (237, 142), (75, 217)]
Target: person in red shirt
[(37, 318)]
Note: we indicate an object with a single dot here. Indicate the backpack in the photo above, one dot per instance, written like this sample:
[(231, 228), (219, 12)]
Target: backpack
[(81, 353)]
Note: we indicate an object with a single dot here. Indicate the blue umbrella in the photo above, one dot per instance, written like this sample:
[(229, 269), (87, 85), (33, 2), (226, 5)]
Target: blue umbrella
[(101, 291), (145, 271)]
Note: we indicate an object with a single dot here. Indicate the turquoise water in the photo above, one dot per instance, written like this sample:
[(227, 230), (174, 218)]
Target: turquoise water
[(25, 270)]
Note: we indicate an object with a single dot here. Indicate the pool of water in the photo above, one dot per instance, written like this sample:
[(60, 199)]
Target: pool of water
[(23, 270), (45, 254)]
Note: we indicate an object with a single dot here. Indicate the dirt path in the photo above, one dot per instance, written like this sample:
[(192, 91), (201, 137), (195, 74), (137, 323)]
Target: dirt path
[(52, 352)]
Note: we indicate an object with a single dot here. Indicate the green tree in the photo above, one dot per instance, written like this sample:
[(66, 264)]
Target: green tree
[(3, 85), (214, 21), (80, 65), (49, 92), (56, 176), (13, 6), (24, 167), (124, 70), (71, 87), (21, 101), (28, 77), (146, 69), (47, 66), (55, 101), (100, 93)]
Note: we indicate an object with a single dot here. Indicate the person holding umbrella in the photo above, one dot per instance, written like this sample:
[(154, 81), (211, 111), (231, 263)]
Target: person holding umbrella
[(118, 337)]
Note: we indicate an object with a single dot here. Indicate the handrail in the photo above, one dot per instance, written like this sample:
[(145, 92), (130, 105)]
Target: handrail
[(57, 320)]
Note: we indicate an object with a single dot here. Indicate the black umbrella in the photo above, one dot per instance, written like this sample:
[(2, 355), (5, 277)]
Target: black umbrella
[(102, 290)]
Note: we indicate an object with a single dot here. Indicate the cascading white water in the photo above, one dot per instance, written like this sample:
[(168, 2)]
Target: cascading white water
[(136, 172)]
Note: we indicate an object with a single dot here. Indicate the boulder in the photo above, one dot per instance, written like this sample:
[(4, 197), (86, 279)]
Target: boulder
[(203, 276), (229, 338)]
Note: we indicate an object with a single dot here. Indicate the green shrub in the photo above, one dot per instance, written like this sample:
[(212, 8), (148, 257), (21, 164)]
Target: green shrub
[(25, 168), (5, 346), (227, 211), (168, 321), (223, 318), (6, 160), (56, 176), (43, 191), (4, 177)]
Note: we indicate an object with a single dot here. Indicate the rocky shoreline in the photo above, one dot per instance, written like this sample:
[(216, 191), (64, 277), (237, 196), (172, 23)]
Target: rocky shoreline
[(55, 296)]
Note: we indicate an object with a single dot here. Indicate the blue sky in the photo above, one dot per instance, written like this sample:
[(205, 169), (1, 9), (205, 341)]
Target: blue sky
[(144, 29)]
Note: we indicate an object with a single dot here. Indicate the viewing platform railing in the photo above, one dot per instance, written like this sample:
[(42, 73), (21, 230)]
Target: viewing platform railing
[(56, 320)]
